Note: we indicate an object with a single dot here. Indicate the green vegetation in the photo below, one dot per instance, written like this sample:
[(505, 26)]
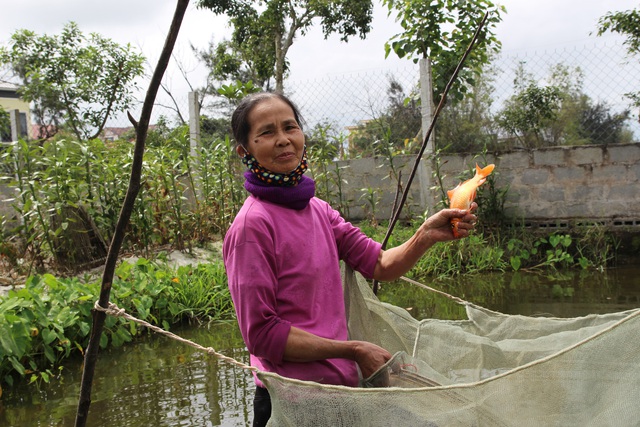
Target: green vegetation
[(5, 125), (49, 320), (626, 23), (506, 250), (61, 176), (559, 113), (441, 31)]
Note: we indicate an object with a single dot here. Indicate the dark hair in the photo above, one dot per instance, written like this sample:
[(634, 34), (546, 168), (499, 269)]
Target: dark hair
[(240, 118)]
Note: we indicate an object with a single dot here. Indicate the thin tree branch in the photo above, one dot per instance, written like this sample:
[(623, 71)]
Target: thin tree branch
[(112, 100), (443, 100), (175, 107), (91, 355)]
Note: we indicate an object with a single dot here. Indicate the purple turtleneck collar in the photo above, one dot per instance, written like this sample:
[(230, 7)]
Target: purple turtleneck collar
[(296, 197)]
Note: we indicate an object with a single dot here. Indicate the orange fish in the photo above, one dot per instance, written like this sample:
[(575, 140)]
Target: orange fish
[(462, 196)]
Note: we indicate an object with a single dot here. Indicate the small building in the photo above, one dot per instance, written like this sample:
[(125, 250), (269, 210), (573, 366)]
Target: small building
[(114, 133), (10, 100)]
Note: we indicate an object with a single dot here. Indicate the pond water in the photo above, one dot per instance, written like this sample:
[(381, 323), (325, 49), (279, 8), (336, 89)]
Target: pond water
[(159, 382)]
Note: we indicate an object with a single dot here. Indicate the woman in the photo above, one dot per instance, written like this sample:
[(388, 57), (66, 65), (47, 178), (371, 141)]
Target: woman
[(282, 256)]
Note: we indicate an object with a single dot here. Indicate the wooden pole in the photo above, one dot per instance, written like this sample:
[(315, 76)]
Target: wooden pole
[(141, 127)]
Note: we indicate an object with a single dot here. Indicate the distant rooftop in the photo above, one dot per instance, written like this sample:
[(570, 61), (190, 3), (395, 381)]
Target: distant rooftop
[(8, 86)]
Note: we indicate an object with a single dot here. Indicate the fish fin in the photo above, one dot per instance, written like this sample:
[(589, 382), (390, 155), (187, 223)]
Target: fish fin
[(454, 227), (450, 193)]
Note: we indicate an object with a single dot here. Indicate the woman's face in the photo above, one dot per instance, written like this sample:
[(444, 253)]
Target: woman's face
[(275, 138)]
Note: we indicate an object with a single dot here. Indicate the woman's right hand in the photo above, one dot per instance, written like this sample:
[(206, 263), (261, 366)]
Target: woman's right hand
[(305, 347), (369, 357)]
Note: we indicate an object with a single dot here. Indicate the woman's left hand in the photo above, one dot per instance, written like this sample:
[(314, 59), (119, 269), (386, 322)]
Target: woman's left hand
[(438, 226), (395, 262)]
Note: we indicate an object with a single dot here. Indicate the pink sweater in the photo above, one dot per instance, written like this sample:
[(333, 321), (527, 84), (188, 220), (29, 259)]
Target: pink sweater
[(283, 270)]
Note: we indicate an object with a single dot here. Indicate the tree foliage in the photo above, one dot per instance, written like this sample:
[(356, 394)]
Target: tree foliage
[(468, 125), (72, 79), (265, 30), (626, 23), (5, 125), (228, 61), (558, 113), (392, 131), (441, 30)]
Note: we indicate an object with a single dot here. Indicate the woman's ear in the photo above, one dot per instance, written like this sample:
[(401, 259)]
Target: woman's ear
[(241, 150)]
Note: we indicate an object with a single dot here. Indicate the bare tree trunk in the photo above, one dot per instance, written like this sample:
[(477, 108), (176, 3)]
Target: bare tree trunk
[(91, 355), (279, 63)]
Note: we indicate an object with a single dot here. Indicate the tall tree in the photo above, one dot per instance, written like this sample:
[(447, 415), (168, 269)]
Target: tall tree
[(279, 21), (626, 23), (441, 30), (71, 78)]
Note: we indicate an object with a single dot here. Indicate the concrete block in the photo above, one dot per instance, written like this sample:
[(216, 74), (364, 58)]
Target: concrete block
[(586, 155), (542, 210), (586, 193), (552, 194), (454, 165), (605, 208), (364, 165), (628, 153), (517, 160), (571, 174), (549, 183), (627, 194), (576, 210), (609, 173), (513, 197), (550, 157), (535, 176)]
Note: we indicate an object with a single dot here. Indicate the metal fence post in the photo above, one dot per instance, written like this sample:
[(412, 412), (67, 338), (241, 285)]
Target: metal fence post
[(194, 141)]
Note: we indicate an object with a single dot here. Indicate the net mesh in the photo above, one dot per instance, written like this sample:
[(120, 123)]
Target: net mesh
[(489, 370)]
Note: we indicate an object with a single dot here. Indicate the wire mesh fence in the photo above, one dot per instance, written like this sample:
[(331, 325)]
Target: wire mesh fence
[(603, 72)]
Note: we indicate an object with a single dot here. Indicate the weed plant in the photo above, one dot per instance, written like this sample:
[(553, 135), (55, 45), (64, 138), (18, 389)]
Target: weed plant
[(49, 320), (181, 199), (505, 251), (325, 148)]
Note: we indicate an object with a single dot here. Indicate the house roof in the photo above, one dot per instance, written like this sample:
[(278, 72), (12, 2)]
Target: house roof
[(8, 86)]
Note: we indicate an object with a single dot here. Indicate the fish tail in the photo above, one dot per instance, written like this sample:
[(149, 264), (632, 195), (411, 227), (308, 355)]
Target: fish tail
[(485, 171)]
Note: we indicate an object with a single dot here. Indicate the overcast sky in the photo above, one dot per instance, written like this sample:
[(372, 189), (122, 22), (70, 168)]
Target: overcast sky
[(528, 26)]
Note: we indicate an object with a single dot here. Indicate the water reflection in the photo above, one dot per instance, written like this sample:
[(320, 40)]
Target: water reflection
[(559, 294), (159, 382), (156, 382)]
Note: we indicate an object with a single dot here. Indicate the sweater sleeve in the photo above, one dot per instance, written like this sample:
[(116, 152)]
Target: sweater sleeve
[(250, 265), (354, 247)]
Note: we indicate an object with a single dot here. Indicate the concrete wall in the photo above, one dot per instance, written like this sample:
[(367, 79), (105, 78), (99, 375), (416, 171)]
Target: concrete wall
[(547, 188), (552, 186)]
